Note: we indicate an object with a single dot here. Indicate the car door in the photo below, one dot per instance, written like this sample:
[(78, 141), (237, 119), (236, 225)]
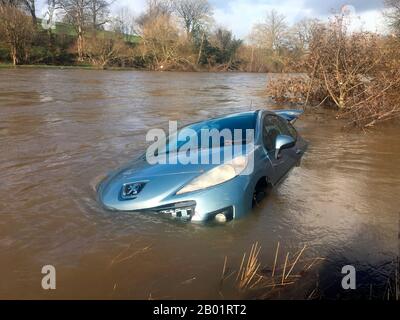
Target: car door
[(272, 127)]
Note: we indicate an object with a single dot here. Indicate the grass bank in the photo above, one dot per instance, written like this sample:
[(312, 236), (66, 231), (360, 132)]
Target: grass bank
[(72, 67)]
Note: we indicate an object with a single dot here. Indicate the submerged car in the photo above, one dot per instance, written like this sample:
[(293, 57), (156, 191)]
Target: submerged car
[(206, 191)]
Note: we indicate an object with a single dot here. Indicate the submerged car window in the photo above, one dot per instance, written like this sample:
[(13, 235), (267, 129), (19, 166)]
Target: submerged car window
[(274, 126), (270, 132)]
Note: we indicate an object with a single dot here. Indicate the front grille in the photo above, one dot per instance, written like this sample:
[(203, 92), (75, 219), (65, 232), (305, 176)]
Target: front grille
[(180, 210)]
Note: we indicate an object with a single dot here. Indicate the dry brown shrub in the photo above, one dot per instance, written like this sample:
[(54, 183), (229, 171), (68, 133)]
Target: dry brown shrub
[(358, 73), (16, 30), (294, 90), (102, 50)]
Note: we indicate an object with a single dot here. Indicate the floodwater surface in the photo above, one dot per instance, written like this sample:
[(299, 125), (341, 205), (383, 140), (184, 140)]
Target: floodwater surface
[(61, 131)]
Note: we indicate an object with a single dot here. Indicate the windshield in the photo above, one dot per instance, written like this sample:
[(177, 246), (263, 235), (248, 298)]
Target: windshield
[(214, 133)]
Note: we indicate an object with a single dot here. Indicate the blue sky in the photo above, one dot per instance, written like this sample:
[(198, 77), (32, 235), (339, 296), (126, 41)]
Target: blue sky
[(240, 15)]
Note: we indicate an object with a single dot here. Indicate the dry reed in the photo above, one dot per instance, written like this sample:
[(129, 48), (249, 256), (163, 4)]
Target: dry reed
[(252, 277)]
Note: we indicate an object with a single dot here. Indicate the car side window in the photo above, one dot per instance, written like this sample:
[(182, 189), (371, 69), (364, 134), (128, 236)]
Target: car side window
[(271, 130), (287, 128), (292, 131), (274, 126)]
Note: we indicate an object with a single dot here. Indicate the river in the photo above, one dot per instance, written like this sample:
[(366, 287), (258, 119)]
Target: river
[(62, 130)]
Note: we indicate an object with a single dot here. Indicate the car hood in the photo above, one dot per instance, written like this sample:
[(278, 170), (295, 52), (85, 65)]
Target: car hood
[(160, 180)]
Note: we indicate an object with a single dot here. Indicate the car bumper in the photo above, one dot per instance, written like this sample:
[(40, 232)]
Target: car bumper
[(232, 199)]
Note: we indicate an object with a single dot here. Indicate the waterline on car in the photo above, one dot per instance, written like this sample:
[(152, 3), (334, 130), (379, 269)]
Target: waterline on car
[(214, 181)]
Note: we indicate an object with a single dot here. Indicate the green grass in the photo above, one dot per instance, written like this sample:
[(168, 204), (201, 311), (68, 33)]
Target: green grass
[(67, 67), (5, 65), (67, 29), (43, 66)]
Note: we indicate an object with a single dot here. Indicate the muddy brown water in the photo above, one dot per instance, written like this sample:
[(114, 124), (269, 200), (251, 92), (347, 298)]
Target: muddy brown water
[(62, 130)]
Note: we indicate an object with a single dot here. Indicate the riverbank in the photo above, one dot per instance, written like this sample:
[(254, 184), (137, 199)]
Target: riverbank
[(90, 67), (77, 67)]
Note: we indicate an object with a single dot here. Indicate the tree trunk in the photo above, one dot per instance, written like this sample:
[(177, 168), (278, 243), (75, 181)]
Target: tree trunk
[(14, 55), (33, 14), (201, 49), (252, 59), (31, 7), (80, 44), (94, 18), (52, 45)]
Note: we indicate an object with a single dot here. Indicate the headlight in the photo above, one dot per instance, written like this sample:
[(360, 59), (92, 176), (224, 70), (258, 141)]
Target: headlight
[(218, 175)]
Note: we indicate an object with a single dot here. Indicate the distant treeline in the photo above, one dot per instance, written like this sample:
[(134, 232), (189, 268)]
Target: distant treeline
[(168, 35)]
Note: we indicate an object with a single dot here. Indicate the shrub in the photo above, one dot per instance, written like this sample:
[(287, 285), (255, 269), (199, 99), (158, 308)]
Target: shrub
[(355, 72)]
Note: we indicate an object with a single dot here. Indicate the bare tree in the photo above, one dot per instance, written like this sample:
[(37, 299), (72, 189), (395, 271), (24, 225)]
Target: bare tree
[(16, 28), (271, 33), (31, 7), (105, 49), (76, 12), (99, 11), (301, 33), (50, 14), (160, 35), (392, 14), (160, 39), (124, 23), (28, 5), (11, 3), (193, 13), (154, 10)]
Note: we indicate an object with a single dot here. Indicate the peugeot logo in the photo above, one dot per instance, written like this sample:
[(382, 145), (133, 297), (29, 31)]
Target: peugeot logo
[(131, 190)]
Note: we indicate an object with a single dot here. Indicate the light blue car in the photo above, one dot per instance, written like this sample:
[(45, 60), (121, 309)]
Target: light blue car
[(220, 192)]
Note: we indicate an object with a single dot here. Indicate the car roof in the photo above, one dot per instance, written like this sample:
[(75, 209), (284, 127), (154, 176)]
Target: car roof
[(226, 116)]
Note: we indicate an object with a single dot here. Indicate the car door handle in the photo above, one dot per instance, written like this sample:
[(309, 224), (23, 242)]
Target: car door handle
[(299, 151)]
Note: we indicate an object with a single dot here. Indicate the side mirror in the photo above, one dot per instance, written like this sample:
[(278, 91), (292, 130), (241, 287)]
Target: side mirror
[(283, 142)]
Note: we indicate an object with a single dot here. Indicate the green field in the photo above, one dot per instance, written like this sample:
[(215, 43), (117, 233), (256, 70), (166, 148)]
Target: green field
[(67, 29)]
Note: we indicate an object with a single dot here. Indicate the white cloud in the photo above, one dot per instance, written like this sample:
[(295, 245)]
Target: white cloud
[(137, 6), (241, 15), (372, 20)]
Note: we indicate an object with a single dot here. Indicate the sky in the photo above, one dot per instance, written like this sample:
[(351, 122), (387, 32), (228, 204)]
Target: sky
[(240, 15)]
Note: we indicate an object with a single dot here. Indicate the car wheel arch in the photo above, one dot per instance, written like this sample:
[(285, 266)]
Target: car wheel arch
[(260, 190)]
